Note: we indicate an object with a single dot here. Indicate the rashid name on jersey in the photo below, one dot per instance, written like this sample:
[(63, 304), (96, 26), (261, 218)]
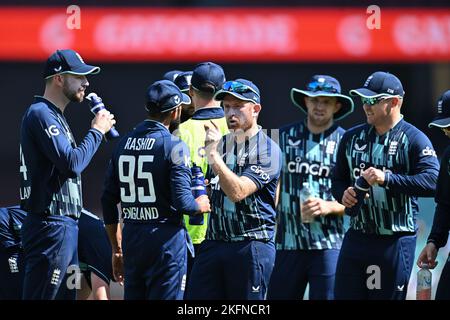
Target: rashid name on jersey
[(259, 159), (308, 158), (411, 168), (146, 155)]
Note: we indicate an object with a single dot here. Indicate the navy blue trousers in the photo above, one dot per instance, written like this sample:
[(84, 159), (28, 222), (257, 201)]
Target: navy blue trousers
[(50, 247), (294, 269), (155, 257), (372, 267), (231, 270), (11, 273), (443, 289)]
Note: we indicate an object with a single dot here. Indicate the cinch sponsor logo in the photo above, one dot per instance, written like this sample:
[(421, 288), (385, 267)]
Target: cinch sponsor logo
[(429, 152), (362, 167), (259, 171), (315, 169)]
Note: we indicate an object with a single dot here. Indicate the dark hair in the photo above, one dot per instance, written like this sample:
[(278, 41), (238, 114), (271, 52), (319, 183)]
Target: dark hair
[(206, 91), (159, 116)]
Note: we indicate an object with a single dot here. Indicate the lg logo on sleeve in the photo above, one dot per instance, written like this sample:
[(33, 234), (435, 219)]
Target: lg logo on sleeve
[(52, 131)]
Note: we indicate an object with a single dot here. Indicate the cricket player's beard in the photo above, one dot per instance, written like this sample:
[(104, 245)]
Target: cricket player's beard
[(174, 125), (72, 95)]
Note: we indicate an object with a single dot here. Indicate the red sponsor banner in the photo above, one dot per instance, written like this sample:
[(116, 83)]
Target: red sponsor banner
[(224, 34)]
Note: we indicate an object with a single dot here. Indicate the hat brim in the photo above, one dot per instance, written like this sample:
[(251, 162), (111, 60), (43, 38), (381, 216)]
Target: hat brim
[(85, 69), (298, 98), (82, 70), (366, 93), (220, 95), (440, 123)]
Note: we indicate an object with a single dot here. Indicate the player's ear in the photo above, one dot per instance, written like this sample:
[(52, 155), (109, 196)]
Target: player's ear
[(337, 106), (256, 109)]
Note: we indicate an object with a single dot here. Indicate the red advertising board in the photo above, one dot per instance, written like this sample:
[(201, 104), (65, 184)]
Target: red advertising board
[(224, 34)]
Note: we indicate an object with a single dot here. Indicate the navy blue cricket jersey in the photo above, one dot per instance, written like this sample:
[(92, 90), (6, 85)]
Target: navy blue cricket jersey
[(308, 158), (149, 174), (441, 222), (50, 161), (411, 168), (253, 218)]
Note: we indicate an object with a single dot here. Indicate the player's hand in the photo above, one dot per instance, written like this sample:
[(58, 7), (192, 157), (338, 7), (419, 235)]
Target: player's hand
[(373, 176), (314, 207), (117, 266), (203, 204), (349, 198), (213, 137), (103, 121), (428, 256)]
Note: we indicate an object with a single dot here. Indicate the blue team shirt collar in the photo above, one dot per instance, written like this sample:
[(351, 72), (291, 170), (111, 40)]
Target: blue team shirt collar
[(397, 125), (38, 99), (147, 123), (208, 113), (331, 129)]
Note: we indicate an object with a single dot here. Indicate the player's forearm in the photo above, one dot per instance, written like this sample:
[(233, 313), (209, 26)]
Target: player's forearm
[(230, 183), (420, 185), (336, 208), (441, 226), (338, 188), (72, 161), (109, 206), (114, 232)]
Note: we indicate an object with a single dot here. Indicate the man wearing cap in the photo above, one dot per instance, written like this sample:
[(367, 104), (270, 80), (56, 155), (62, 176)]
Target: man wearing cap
[(172, 75), (50, 168), (183, 81), (149, 175), (308, 252), (236, 259), (441, 224), (207, 78), (399, 163)]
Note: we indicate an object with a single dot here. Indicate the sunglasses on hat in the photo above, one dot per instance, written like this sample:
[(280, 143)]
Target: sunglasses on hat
[(235, 86), (321, 86)]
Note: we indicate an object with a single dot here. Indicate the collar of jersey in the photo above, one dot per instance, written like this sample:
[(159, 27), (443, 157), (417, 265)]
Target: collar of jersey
[(208, 113), (47, 102), (325, 133), (152, 123)]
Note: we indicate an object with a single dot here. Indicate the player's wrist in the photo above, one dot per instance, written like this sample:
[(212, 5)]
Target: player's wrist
[(98, 129), (117, 250)]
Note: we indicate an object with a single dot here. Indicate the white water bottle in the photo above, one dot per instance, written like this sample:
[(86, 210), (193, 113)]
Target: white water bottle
[(305, 194), (424, 277)]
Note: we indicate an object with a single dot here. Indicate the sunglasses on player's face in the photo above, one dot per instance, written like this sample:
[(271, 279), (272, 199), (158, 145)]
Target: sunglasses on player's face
[(373, 101)]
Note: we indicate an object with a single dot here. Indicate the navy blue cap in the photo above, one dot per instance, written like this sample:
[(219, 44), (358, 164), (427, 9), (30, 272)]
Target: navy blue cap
[(323, 86), (240, 88), (164, 96), (380, 84), (171, 75), (183, 81), (207, 74), (442, 119), (67, 61)]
